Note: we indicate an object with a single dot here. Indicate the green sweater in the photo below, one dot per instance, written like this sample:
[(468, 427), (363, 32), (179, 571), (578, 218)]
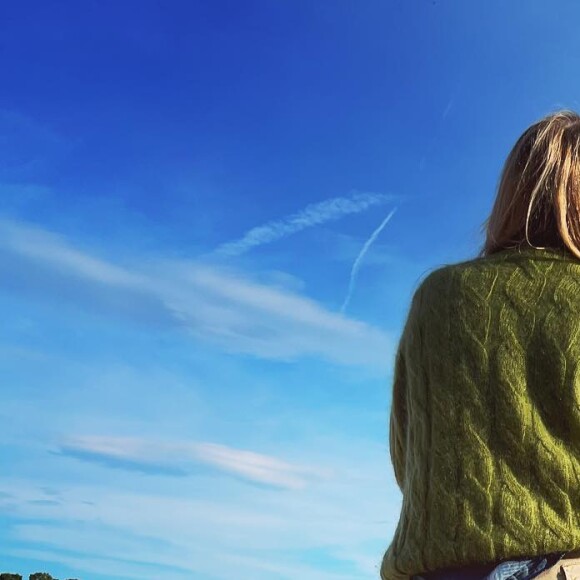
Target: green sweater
[(485, 417)]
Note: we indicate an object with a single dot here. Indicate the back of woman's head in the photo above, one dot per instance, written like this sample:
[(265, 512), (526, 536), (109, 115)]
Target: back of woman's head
[(538, 198)]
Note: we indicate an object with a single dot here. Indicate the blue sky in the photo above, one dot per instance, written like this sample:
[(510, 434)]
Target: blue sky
[(200, 313)]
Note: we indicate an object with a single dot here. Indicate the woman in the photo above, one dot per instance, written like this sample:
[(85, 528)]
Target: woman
[(485, 416)]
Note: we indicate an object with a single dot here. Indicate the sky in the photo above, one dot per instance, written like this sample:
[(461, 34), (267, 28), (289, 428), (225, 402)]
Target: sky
[(213, 217)]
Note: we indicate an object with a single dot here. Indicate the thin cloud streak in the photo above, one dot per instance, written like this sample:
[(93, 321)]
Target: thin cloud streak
[(47, 247), (338, 514), (447, 109), (357, 262), (177, 459), (312, 215), (223, 308)]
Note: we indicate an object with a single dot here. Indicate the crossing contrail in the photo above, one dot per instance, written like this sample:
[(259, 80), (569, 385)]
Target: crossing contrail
[(356, 265)]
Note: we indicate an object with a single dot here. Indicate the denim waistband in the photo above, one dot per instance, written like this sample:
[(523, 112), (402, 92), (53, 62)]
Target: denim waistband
[(521, 569)]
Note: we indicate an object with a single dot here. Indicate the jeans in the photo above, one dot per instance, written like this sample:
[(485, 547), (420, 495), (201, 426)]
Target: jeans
[(507, 570), (523, 569)]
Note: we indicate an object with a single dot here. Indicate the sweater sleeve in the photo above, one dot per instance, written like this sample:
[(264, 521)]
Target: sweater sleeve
[(398, 421), (399, 414)]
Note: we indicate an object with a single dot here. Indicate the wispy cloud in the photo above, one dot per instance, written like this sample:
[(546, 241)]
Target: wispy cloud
[(357, 262), (312, 215), (447, 108), (222, 307), (255, 466), (52, 250), (178, 459), (345, 521)]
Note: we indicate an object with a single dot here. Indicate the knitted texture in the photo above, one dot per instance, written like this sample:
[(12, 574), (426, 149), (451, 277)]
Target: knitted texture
[(485, 415)]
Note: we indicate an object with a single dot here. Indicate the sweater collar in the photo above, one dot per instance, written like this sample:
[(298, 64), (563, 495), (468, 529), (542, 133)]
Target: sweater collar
[(526, 252)]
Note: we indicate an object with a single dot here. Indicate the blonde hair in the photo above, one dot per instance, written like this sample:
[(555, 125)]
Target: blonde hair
[(538, 197)]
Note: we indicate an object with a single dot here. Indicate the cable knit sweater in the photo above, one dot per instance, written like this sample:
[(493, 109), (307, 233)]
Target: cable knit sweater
[(485, 416)]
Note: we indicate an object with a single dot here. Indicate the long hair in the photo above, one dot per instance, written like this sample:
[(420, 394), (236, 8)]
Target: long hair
[(538, 197)]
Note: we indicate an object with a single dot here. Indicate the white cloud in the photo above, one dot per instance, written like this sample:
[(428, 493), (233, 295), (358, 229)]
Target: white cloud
[(254, 466), (347, 520), (161, 457), (241, 315), (222, 307), (312, 215), (52, 250)]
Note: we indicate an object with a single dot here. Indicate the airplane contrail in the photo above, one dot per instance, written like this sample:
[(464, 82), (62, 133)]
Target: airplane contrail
[(356, 264), (312, 215)]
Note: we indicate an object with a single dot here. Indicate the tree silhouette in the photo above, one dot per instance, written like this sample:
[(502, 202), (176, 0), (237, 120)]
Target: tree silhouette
[(35, 576)]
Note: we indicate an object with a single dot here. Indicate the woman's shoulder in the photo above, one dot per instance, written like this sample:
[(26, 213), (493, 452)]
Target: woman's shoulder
[(448, 280), (439, 278), (481, 276)]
